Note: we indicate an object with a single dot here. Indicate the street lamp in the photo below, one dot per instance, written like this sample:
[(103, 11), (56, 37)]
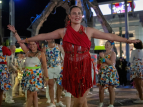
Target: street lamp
[(0, 1), (12, 20)]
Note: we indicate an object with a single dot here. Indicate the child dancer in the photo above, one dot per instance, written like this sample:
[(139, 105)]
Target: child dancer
[(108, 76), (20, 66), (13, 70)]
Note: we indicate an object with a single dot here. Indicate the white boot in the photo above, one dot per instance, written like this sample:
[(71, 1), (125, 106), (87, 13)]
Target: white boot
[(100, 105), (26, 95), (55, 89), (60, 104), (8, 98), (138, 101), (110, 105), (63, 93), (52, 105), (89, 93), (47, 95)]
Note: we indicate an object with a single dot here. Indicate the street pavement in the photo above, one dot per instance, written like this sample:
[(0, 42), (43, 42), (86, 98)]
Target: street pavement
[(124, 98)]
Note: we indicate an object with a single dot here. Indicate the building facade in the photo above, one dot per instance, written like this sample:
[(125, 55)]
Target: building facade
[(114, 14)]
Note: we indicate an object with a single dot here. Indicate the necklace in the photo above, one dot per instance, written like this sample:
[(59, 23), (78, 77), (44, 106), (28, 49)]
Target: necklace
[(34, 53)]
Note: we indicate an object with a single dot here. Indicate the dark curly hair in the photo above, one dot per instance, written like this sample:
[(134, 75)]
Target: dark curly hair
[(138, 45)]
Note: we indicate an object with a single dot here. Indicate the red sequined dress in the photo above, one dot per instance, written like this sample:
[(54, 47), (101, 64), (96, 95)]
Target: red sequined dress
[(77, 62)]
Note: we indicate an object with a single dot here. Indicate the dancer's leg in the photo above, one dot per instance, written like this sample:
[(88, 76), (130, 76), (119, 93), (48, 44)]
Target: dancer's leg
[(142, 83), (47, 93), (12, 83), (68, 99), (85, 103), (55, 90), (138, 82), (101, 93), (51, 90), (26, 95), (30, 98), (20, 88), (59, 92), (8, 98), (1, 96), (15, 86), (35, 99), (112, 94), (78, 102)]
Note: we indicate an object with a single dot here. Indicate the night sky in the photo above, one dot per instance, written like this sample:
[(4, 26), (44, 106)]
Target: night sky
[(25, 9)]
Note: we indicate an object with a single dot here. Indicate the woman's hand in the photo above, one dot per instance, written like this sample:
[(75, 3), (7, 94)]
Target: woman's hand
[(11, 28), (101, 54), (46, 81), (132, 41)]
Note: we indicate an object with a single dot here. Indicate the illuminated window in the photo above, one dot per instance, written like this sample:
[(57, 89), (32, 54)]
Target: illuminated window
[(105, 9), (138, 5)]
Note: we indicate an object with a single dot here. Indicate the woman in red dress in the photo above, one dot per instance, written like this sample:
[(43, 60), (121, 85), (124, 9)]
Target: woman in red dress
[(77, 61)]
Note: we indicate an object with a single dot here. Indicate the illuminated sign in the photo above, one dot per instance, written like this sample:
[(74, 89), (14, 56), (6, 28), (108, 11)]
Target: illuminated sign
[(120, 7), (138, 5)]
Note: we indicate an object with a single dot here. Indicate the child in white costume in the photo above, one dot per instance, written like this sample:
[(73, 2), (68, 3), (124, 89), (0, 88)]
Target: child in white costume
[(20, 65), (12, 69)]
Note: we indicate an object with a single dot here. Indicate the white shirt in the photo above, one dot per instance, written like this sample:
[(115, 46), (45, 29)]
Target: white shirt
[(11, 62), (136, 54)]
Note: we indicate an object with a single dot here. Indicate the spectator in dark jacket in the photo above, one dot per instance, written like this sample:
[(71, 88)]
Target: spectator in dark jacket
[(121, 66)]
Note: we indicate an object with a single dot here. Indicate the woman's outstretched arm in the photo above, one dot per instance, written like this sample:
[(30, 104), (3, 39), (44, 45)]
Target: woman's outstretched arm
[(23, 46), (57, 34), (109, 36)]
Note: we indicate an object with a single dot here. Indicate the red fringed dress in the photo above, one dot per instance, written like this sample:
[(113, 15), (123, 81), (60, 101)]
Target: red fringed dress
[(77, 62)]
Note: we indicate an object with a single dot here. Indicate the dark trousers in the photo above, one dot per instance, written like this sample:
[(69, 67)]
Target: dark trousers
[(123, 78)]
